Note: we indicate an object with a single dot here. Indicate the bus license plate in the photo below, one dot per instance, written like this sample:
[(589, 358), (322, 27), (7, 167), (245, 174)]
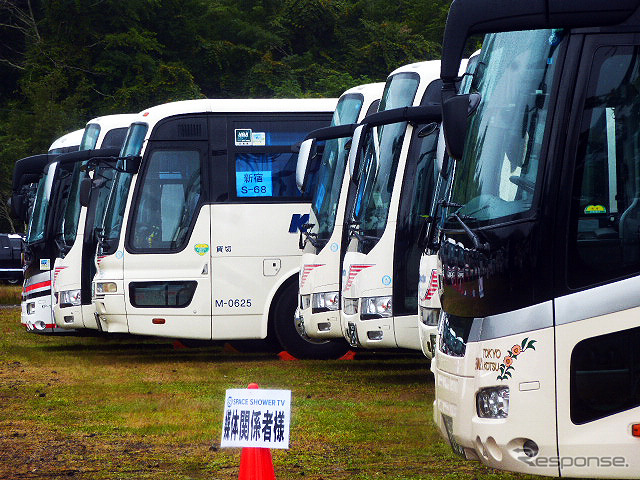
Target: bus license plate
[(448, 425)]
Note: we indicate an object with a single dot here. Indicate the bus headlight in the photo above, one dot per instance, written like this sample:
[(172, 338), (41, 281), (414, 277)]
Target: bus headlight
[(106, 287), (325, 301), (375, 307), (493, 402), (69, 298)]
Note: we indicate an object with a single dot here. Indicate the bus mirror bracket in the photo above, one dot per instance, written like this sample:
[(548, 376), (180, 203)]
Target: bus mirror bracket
[(455, 113), (132, 164)]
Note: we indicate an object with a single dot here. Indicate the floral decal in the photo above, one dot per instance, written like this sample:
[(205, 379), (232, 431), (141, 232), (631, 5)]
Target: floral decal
[(507, 363)]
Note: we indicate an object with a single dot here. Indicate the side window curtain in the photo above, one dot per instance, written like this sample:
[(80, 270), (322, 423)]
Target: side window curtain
[(167, 202)]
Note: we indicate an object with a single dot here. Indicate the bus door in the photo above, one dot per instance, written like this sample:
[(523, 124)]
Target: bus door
[(597, 309), (254, 235), (167, 265)]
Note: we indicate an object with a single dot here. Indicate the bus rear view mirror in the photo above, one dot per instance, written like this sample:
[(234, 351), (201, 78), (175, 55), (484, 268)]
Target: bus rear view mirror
[(455, 113), (355, 148), (303, 161), (85, 191), (17, 206)]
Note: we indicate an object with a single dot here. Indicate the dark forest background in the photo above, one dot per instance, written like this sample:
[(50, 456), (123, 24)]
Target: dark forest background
[(64, 62)]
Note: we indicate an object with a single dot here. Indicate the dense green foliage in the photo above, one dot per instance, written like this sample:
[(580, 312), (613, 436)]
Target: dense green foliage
[(63, 62)]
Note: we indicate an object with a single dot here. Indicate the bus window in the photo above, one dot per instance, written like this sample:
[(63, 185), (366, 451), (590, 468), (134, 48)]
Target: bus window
[(605, 209), (167, 201)]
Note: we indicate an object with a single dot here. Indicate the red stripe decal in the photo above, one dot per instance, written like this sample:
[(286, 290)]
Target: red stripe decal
[(46, 283)]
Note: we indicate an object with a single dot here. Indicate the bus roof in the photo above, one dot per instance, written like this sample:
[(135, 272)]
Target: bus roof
[(71, 139), (153, 115)]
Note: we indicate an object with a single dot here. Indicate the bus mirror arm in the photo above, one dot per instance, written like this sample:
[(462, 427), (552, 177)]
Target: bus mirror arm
[(305, 236)]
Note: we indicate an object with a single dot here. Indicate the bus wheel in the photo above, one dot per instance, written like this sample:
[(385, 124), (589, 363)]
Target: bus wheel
[(293, 338)]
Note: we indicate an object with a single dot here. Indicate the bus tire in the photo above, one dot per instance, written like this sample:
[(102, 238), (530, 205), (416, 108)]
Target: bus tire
[(293, 341)]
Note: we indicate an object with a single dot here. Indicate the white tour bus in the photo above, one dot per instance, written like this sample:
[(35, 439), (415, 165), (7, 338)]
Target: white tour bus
[(537, 367), (204, 245), (394, 193), (36, 292), (75, 266), (321, 260)]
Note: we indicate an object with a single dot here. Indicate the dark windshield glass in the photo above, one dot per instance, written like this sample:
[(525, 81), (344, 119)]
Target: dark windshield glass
[(41, 206), (380, 158), (498, 175), (331, 171), (114, 212)]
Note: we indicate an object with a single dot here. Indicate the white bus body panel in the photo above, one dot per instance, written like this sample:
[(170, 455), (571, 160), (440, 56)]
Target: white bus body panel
[(498, 442), (41, 316), (609, 436)]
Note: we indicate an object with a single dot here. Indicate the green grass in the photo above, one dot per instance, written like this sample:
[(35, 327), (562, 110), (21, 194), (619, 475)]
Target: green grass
[(129, 408), (10, 294)]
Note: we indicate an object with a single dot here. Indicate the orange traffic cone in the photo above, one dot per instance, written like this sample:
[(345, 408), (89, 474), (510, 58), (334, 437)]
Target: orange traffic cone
[(256, 463)]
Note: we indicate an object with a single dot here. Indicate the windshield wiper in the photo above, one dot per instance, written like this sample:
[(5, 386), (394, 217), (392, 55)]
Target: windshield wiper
[(477, 244), (361, 237)]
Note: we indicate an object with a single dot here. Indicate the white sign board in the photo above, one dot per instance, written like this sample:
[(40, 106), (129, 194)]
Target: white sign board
[(256, 418)]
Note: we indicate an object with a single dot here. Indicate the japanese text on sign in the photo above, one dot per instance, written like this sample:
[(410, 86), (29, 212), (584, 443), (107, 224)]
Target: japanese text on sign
[(254, 184), (256, 418)]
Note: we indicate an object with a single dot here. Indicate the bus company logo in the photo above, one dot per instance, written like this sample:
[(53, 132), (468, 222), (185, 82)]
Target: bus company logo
[(45, 264), (307, 270), (386, 280), (353, 271), (243, 136), (506, 366), (334, 247), (590, 209), (433, 285), (298, 222), (201, 248)]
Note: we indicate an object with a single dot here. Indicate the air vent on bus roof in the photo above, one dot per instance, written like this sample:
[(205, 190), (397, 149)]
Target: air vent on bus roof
[(189, 130)]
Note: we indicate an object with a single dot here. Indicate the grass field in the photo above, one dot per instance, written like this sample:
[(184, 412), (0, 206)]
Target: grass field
[(128, 408)]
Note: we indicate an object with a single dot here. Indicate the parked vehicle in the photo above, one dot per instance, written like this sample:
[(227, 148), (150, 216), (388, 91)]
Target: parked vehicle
[(395, 190), (76, 238), (213, 201), (11, 245), (320, 265), (536, 368), (36, 312)]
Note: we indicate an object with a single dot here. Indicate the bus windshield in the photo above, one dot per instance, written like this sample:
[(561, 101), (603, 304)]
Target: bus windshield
[(380, 160), (41, 206), (498, 174), (114, 212), (324, 205), (90, 137)]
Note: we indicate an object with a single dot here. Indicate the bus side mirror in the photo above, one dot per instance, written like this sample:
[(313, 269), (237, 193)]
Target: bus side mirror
[(455, 113), (355, 149), (85, 191), (17, 206), (303, 161)]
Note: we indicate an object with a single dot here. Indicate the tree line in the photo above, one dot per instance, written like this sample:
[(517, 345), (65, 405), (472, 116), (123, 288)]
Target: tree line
[(63, 62)]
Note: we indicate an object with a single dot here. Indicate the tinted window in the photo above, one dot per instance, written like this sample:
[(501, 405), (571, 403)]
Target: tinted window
[(605, 206), (605, 375)]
